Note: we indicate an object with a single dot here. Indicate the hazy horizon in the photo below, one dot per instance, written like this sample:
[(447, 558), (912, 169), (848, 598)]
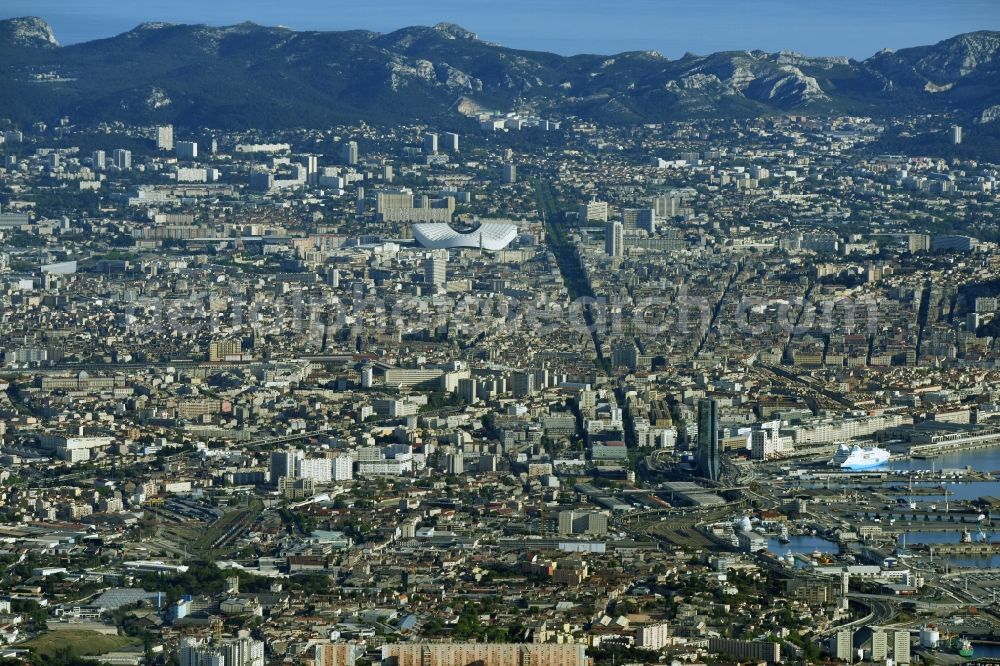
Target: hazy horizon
[(849, 28)]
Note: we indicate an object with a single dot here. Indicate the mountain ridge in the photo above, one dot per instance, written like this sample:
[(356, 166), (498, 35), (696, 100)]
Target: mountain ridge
[(248, 75)]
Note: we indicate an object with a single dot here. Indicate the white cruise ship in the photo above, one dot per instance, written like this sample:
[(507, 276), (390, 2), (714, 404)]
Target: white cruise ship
[(857, 457)]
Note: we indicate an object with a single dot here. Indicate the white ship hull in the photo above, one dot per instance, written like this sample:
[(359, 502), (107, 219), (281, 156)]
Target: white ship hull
[(856, 457)]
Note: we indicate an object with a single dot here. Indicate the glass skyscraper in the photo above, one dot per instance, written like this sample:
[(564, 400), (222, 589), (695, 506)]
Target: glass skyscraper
[(708, 453)]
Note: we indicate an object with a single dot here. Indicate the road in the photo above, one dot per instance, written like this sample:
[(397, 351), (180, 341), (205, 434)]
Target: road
[(881, 612)]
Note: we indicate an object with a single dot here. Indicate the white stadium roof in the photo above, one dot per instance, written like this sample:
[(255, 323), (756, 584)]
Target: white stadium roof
[(488, 235)]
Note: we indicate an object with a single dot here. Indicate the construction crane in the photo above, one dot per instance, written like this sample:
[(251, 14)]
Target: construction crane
[(215, 622)]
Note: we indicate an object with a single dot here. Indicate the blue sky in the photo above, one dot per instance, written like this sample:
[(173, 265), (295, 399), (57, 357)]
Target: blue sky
[(856, 28)]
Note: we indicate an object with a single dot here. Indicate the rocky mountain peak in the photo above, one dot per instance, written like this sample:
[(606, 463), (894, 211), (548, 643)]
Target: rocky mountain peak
[(453, 31), (29, 31)]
